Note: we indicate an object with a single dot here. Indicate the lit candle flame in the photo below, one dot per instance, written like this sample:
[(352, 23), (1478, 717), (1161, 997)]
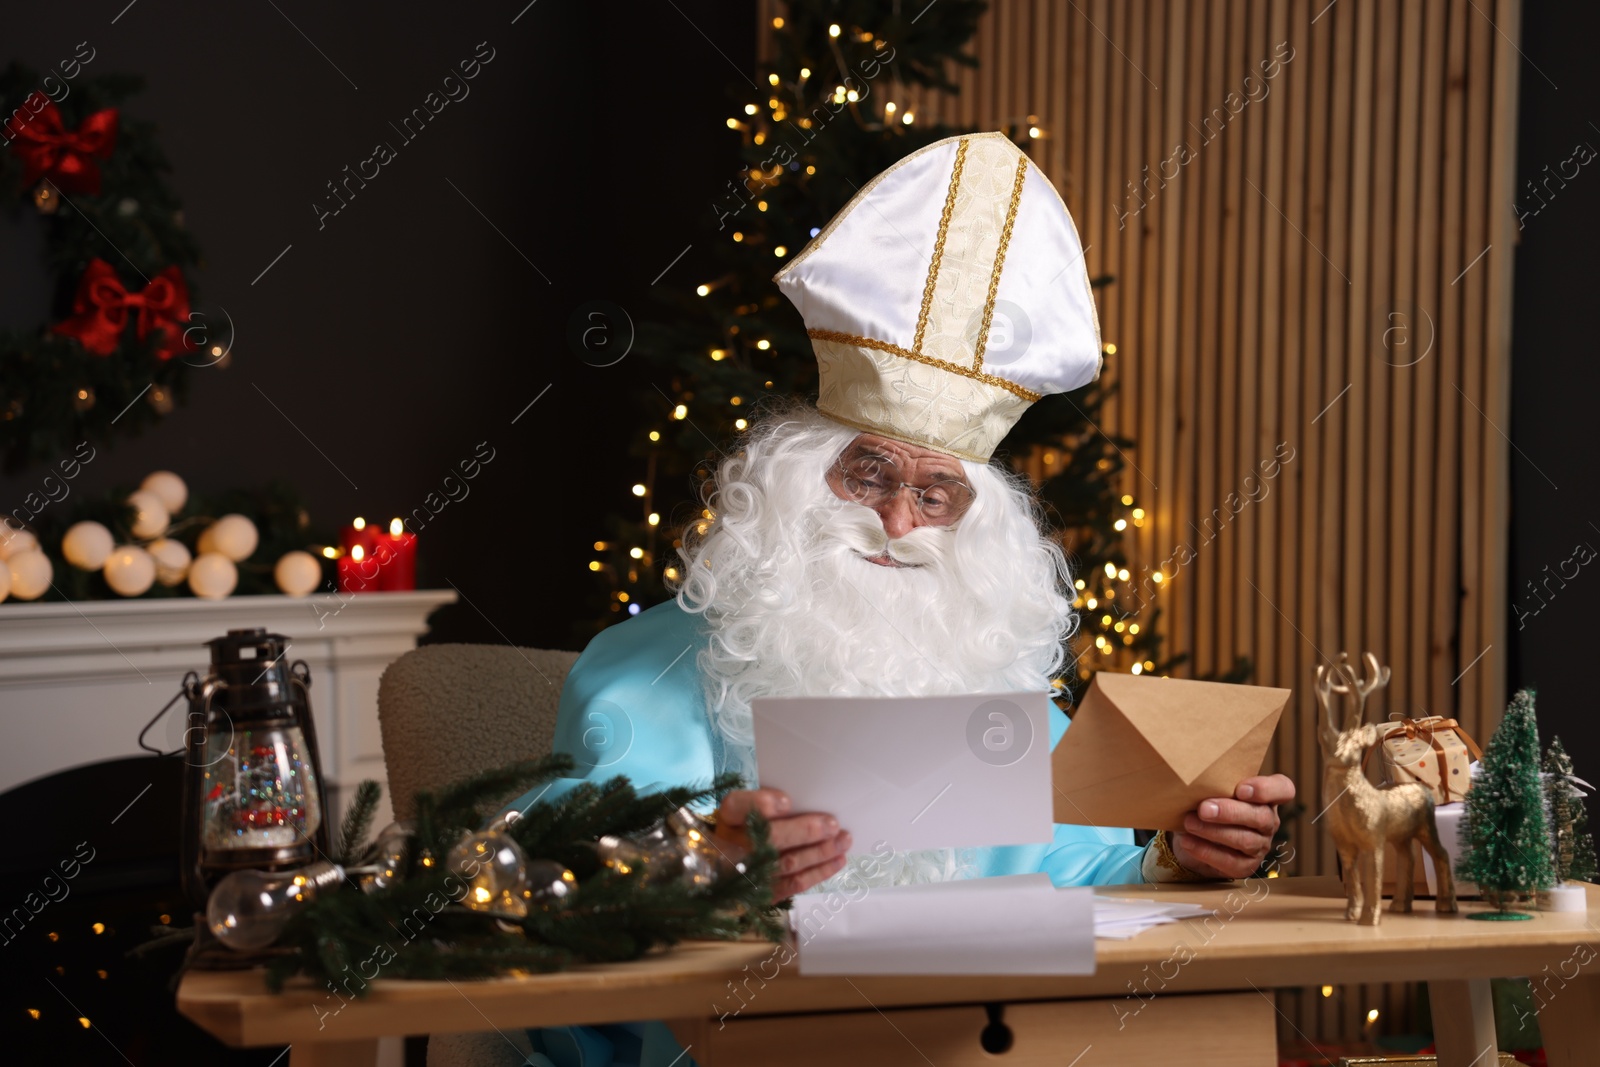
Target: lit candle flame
[(356, 552), (396, 527)]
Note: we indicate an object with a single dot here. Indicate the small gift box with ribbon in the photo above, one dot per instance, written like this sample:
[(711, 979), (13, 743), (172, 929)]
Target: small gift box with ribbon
[(1434, 752)]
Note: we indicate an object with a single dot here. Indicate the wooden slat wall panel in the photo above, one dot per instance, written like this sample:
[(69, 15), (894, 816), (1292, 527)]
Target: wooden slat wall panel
[(1330, 271), (1268, 294)]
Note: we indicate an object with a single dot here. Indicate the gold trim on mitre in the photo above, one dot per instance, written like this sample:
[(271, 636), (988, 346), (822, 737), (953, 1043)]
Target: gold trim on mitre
[(885, 390), (937, 392)]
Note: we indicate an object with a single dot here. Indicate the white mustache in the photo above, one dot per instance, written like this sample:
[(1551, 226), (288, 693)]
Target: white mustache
[(858, 528)]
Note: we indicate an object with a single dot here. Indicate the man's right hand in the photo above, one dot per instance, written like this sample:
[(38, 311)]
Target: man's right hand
[(811, 847)]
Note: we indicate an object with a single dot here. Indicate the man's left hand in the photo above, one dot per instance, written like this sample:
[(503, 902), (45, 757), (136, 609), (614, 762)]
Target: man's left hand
[(1228, 837)]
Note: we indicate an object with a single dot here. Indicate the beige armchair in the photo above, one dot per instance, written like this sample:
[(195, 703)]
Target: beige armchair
[(447, 711)]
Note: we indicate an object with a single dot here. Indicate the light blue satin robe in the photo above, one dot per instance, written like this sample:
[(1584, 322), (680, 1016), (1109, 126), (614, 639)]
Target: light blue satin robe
[(633, 704)]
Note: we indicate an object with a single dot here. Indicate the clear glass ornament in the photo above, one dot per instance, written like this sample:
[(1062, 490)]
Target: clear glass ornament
[(493, 866), (679, 848), (546, 884), (248, 910), (388, 857)]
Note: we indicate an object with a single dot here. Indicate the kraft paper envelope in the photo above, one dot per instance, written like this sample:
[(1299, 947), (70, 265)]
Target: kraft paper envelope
[(1144, 750), (1013, 924), (913, 772)]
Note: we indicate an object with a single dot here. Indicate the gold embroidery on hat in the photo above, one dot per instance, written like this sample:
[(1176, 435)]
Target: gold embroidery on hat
[(1000, 261), (906, 353), (938, 245)]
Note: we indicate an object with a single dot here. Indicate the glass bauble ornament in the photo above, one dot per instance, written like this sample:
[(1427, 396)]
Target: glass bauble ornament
[(679, 848), (388, 858), (248, 910), (493, 866), (547, 884)]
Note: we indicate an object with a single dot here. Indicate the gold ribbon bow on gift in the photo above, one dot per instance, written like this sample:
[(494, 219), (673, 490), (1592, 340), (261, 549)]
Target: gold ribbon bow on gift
[(1427, 728)]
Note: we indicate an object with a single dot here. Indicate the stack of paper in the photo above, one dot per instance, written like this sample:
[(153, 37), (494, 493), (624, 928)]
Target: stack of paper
[(1017, 924), (1119, 918)]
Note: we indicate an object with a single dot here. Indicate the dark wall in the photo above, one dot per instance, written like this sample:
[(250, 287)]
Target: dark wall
[(401, 332), (1555, 378)]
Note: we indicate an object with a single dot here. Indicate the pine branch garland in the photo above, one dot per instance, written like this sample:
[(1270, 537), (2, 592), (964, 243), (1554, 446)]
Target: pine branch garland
[(462, 803), (417, 929), (357, 822)]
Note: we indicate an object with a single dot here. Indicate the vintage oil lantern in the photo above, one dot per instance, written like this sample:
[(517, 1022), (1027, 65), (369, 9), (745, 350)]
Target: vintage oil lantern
[(252, 790)]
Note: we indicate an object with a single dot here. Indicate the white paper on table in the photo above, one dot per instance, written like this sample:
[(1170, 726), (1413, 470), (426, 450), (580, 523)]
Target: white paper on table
[(1119, 918), (914, 772), (1014, 924)]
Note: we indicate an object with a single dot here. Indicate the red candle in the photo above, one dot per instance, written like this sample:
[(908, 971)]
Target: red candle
[(358, 571), (358, 533), (397, 558)]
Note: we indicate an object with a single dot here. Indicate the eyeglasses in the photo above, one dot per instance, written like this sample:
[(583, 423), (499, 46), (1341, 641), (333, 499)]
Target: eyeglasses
[(873, 479)]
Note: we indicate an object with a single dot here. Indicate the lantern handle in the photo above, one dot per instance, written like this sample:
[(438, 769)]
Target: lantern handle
[(188, 689), (300, 671)]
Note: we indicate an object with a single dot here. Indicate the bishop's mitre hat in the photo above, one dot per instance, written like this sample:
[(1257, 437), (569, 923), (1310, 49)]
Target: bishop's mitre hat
[(948, 295)]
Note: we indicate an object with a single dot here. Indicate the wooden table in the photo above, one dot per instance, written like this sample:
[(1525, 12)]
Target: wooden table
[(1197, 992)]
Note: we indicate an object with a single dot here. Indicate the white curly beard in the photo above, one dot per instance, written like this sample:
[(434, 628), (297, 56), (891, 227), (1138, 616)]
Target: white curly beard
[(795, 609)]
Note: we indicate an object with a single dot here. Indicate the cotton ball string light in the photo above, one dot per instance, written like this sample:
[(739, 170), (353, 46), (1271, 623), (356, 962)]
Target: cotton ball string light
[(212, 575), (168, 488), (233, 536), (87, 545), (129, 571), (14, 540), (150, 515), (172, 560), (297, 573), (30, 574)]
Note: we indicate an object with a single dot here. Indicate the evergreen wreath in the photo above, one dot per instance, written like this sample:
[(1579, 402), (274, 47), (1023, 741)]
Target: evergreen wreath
[(609, 916), (115, 353)]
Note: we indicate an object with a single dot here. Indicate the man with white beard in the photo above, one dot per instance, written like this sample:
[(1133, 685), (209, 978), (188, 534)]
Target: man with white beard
[(867, 546)]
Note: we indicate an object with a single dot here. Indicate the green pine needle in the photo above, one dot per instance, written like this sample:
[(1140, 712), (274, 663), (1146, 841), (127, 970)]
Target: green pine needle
[(357, 822)]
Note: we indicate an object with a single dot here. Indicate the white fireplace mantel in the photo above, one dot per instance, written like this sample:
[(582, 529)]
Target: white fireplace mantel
[(79, 680)]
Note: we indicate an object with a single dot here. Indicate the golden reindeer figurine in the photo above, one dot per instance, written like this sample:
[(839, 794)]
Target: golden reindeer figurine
[(1362, 817)]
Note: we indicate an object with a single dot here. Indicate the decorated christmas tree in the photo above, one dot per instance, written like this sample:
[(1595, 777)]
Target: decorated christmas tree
[(1574, 848), (1504, 830), (830, 112)]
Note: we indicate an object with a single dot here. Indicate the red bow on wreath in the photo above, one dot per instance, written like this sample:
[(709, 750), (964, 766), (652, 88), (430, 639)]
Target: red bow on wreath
[(100, 311), (66, 157)]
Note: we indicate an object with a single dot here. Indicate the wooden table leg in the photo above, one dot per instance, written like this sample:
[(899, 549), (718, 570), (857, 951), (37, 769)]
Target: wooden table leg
[(1570, 1023), (362, 1052), (1463, 1023)]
